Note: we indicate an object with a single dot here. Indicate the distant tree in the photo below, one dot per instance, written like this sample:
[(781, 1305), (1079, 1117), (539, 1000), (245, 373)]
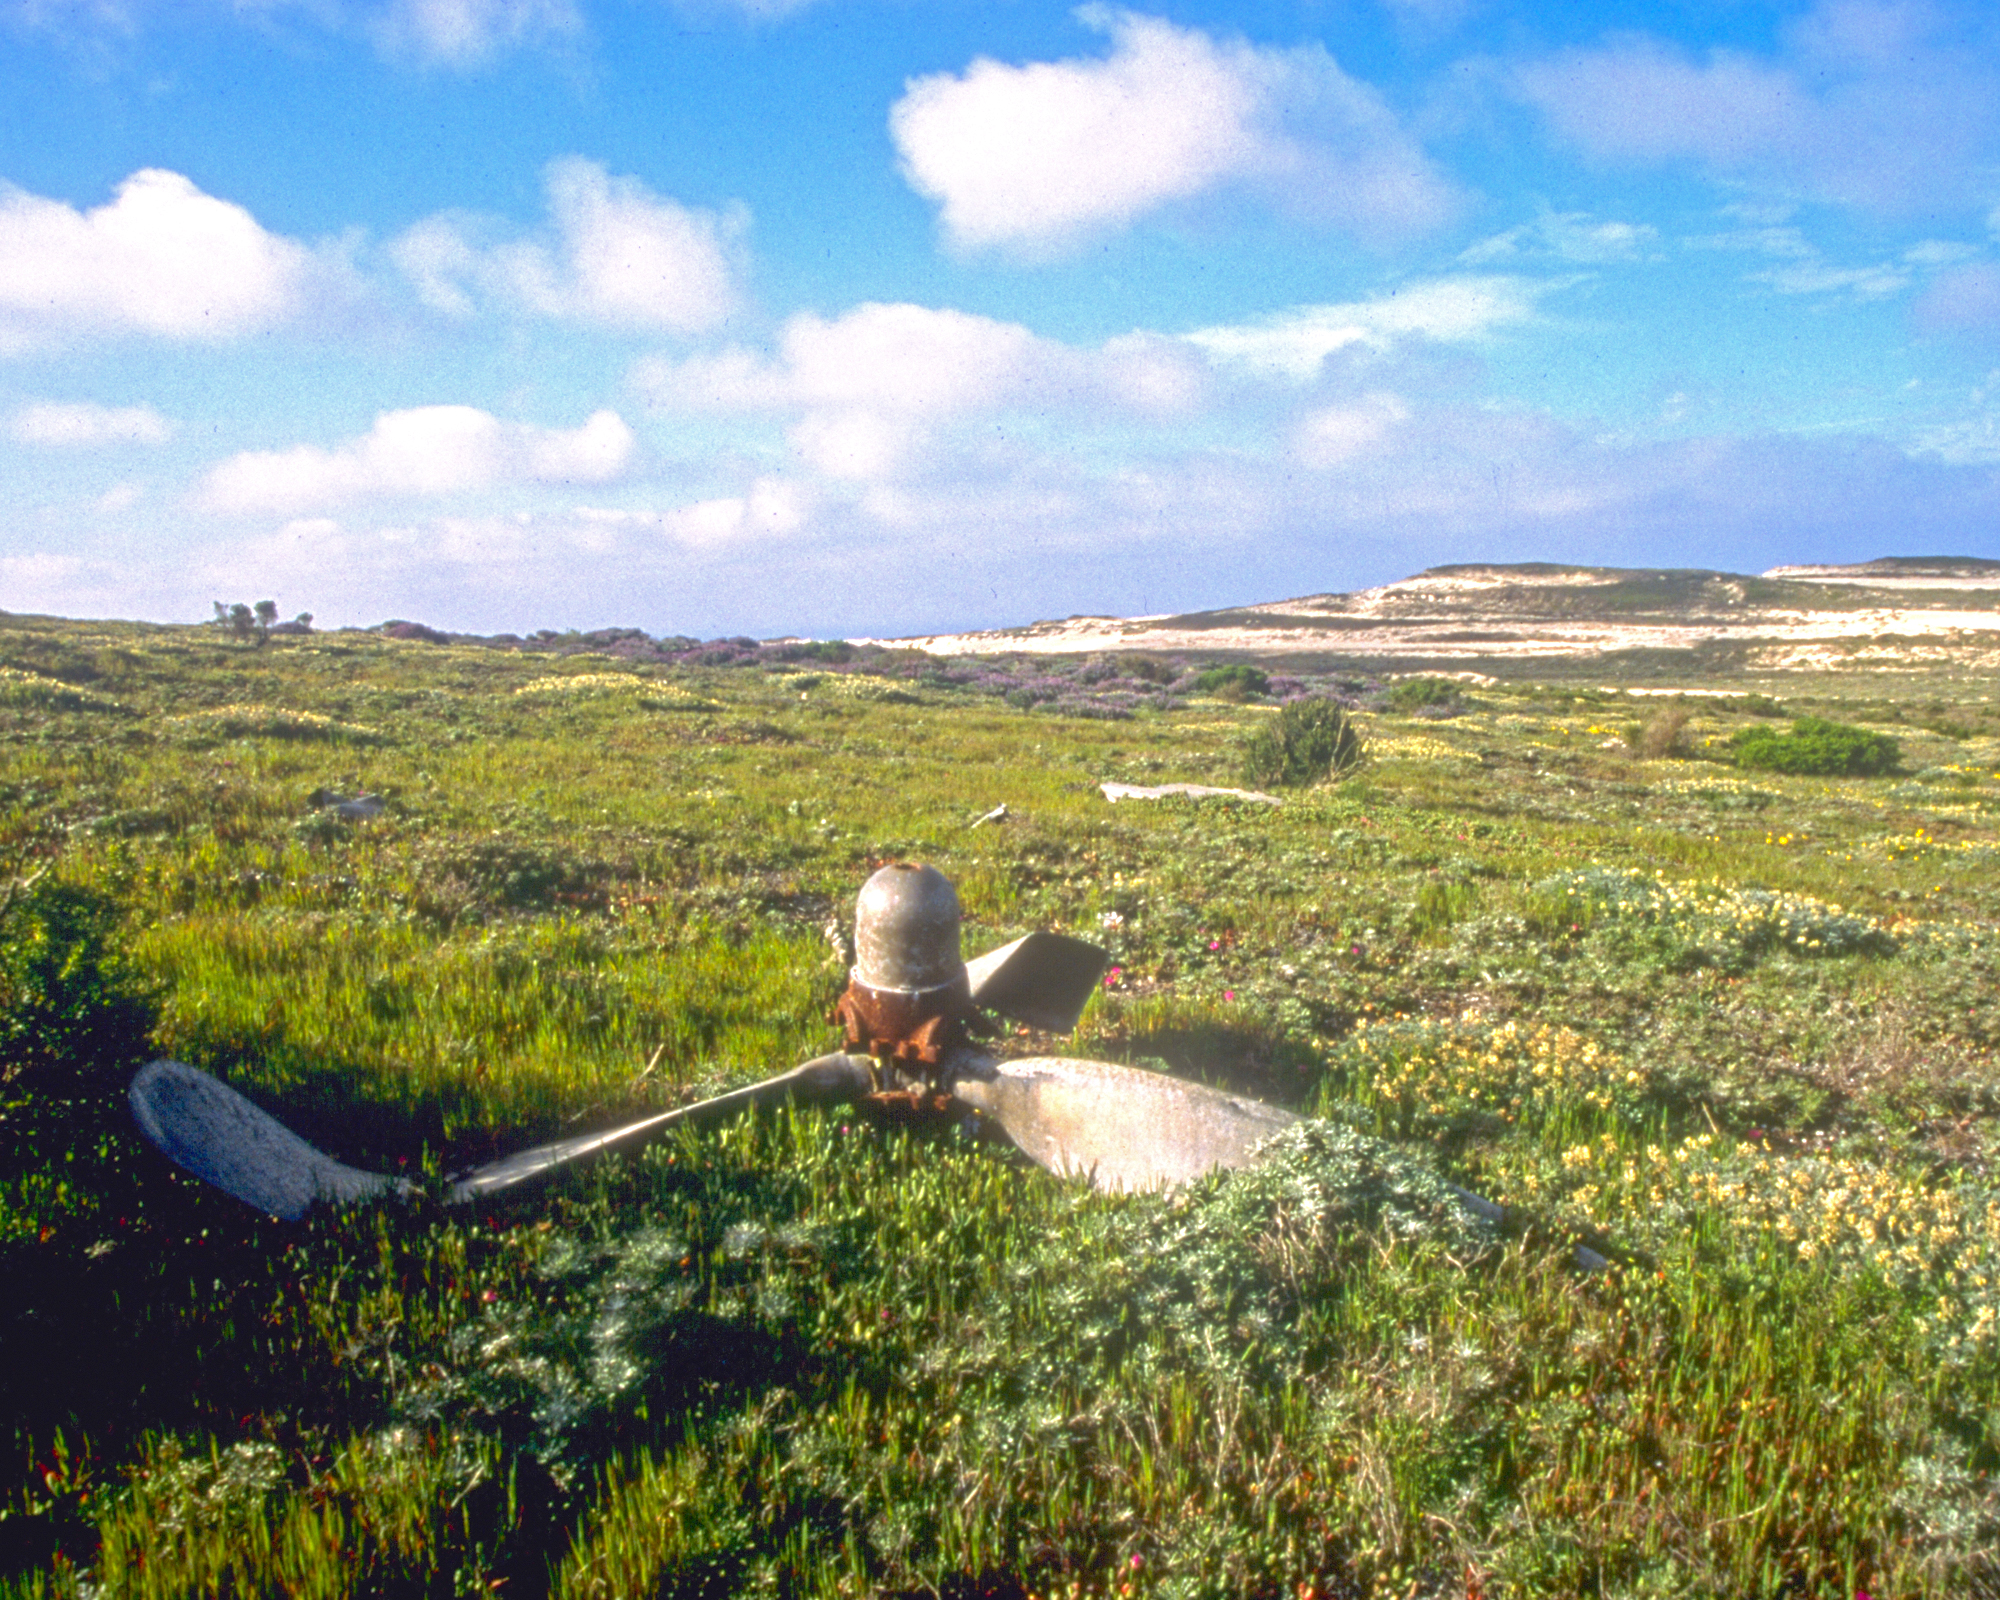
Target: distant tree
[(238, 620), (304, 619), (266, 612)]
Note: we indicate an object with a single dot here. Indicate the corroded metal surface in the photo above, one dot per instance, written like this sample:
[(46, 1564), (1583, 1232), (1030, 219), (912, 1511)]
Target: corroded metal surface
[(915, 1029)]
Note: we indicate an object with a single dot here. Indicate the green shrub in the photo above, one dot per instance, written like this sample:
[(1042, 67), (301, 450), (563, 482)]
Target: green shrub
[(69, 1007), (1307, 741), (1816, 747), (1414, 696), (1238, 681)]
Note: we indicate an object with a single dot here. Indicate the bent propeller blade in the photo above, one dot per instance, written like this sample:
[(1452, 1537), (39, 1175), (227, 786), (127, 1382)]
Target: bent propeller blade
[(1121, 1127), (825, 1080), (1044, 980), (205, 1127)]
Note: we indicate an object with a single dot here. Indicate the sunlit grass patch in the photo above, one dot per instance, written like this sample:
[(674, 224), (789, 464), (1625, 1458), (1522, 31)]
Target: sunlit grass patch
[(582, 685), (250, 720), (31, 691)]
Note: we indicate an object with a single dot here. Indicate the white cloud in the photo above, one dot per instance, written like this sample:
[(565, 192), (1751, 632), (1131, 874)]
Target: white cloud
[(1333, 434), (771, 507), (616, 254), (83, 423), (1938, 252), (468, 33), (1569, 236), (428, 451), (1802, 269), (1815, 277), (1294, 343), (162, 258), (1039, 157), (869, 388), (1870, 103), (855, 444), (902, 357)]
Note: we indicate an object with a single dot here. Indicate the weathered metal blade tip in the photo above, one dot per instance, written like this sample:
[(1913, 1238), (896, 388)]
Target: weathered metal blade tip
[(205, 1127), (1119, 1126), (1044, 980)]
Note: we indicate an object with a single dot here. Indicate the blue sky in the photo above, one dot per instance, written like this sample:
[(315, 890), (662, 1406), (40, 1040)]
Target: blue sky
[(895, 316)]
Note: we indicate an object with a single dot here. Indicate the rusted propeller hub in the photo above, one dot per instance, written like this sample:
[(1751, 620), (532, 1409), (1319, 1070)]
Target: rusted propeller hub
[(908, 999)]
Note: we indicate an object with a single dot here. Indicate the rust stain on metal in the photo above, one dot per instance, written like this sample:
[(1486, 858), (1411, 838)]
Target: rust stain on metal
[(914, 1030)]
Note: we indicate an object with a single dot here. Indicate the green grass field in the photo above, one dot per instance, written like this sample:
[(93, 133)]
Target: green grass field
[(1735, 1029)]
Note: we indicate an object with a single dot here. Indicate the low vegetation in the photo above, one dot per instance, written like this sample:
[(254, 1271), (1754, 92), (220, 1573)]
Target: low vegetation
[(1733, 1029), (1818, 747), (1309, 741)]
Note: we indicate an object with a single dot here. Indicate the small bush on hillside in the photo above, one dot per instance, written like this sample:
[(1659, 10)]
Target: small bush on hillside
[(1309, 740), (1816, 747), (1661, 735), (1150, 669), (1425, 697), (1238, 681)]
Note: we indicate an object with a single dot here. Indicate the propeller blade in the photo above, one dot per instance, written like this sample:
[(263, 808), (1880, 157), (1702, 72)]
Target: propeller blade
[(1121, 1127), (1044, 980), (1127, 1129), (205, 1127), (825, 1080)]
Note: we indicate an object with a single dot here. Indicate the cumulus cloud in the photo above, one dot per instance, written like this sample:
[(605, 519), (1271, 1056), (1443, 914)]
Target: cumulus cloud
[(1883, 104), (1462, 310), (162, 258), (60, 422), (910, 358), (1037, 158), (424, 452), (869, 388), (468, 33), (770, 508), (614, 253)]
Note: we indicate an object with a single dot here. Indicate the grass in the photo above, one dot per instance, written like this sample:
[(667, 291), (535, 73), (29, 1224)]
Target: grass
[(1737, 1031)]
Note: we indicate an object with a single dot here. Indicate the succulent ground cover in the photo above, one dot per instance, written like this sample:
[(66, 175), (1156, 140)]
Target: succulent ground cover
[(1734, 1029)]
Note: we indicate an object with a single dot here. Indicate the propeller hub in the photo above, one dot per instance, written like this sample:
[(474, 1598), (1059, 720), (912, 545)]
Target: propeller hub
[(906, 930), (909, 995)]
